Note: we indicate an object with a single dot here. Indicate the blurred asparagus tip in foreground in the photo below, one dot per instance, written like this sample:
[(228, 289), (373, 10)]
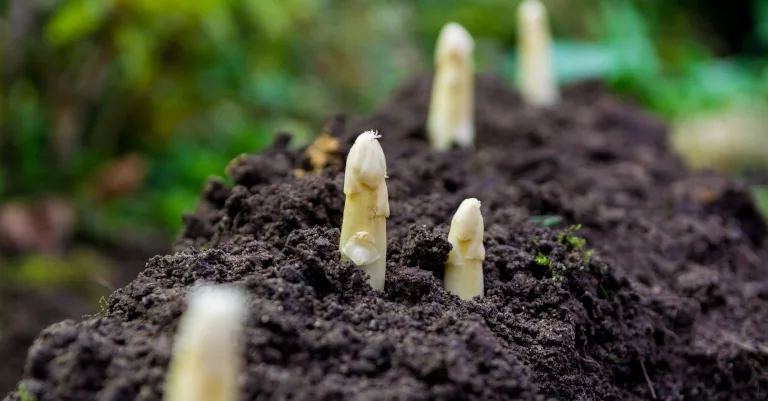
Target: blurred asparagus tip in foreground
[(464, 269), (207, 353), (535, 69), (452, 105), (366, 208)]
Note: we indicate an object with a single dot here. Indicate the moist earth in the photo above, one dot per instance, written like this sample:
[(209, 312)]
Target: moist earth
[(668, 298)]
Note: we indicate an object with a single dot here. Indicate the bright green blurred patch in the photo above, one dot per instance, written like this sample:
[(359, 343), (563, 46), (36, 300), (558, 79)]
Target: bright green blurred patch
[(76, 19), (135, 56), (177, 8), (576, 61), (24, 394), (761, 197), (269, 14), (77, 269)]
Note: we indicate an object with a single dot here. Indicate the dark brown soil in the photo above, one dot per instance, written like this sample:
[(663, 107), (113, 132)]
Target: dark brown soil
[(671, 304)]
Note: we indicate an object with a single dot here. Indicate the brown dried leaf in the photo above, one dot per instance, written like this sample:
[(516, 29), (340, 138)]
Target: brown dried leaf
[(323, 152)]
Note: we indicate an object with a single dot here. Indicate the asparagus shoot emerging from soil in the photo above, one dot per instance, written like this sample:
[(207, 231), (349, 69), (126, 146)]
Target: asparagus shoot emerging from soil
[(464, 269), (535, 69), (452, 106), (366, 208), (206, 356)]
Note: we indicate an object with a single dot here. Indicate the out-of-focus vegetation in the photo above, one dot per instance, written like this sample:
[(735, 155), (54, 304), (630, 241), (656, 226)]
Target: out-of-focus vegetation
[(115, 111), (124, 107)]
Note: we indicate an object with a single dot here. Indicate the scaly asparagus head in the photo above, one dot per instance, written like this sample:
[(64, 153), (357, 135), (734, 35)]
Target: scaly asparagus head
[(207, 353), (452, 106), (464, 269), (366, 208), (535, 69)]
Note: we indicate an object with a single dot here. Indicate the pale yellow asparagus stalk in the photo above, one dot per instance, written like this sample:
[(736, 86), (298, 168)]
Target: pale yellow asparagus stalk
[(366, 208), (535, 69), (452, 106), (207, 352), (464, 269)]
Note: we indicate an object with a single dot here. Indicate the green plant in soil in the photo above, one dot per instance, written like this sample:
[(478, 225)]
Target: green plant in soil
[(553, 268), (24, 394), (572, 242), (542, 260)]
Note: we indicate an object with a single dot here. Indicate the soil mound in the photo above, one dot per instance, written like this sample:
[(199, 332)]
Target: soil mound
[(667, 300)]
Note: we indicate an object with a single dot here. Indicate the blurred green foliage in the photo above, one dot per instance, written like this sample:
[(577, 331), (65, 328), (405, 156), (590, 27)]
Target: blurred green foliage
[(187, 85), (41, 271), (84, 271), (760, 193)]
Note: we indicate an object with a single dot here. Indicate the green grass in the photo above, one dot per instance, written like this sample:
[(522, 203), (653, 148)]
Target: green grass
[(24, 394)]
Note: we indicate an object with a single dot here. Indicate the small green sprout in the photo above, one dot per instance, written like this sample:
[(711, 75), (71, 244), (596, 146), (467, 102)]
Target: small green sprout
[(24, 394), (587, 255), (573, 242), (542, 260)]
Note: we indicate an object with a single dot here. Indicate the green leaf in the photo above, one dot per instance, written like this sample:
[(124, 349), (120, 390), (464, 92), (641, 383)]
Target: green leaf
[(135, 46), (24, 394), (219, 25), (270, 16), (542, 260), (75, 20), (760, 192)]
